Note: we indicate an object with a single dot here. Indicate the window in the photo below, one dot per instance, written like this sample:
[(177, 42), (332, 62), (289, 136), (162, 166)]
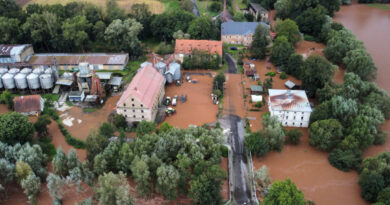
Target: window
[(142, 111), (124, 110), (293, 123), (286, 117), (301, 119), (142, 105), (125, 116), (142, 117), (303, 113), (301, 123), (124, 104), (133, 116), (132, 99), (133, 105), (133, 110), (294, 117), (95, 67), (285, 123)]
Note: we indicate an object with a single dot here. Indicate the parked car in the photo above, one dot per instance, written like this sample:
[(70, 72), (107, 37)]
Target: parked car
[(167, 101), (170, 111), (174, 101), (233, 48)]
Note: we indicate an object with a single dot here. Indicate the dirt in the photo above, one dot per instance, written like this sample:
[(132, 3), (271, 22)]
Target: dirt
[(22, 2), (225, 186), (199, 108), (89, 121), (310, 170)]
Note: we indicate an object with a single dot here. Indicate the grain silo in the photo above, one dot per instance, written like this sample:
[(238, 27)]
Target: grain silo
[(8, 81), (175, 67), (38, 71), (33, 81), (14, 71), (26, 71), (46, 81), (21, 81), (161, 67)]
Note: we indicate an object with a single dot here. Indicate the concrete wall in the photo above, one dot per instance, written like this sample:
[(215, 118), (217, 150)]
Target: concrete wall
[(292, 118), (245, 40)]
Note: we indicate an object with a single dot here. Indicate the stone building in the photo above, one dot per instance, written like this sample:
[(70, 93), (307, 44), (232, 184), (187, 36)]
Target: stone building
[(239, 33), (291, 107), (258, 11)]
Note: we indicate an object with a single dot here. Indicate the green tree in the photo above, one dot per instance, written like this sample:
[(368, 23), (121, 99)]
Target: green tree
[(289, 29), (360, 62), (181, 35), (165, 127), (15, 128), (205, 188), (326, 134), (257, 144), (73, 161), (281, 51), (124, 36), (75, 30), (384, 196), (164, 25), (9, 30), (274, 132), (119, 121), (7, 98), (219, 81), (260, 42), (284, 192), (215, 7), (338, 46), (31, 187), (167, 181), (95, 144), (56, 185), (7, 170), (143, 15), (107, 129), (114, 189), (379, 100), (187, 5), (345, 160), (294, 136), (202, 28), (22, 170), (98, 30), (331, 5), (311, 20), (345, 110), (41, 125), (141, 175), (114, 12), (316, 71), (294, 65), (9, 9), (145, 127), (60, 163)]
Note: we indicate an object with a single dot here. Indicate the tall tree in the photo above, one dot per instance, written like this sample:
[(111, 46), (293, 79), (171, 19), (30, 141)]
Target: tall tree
[(142, 14), (331, 5), (124, 36), (56, 185), (114, 189), (257, 144), (360, 62), (9, 30), (31, 187), (60, 163), (41, 125), (167, 181), (95, 144), (202, 28), (141, 174), (75, 30), (284, 192), (165, 24), (15, 128), (289, 29), (281, 51), (260, 42), (311, 21), (339, 45), (326, 134)]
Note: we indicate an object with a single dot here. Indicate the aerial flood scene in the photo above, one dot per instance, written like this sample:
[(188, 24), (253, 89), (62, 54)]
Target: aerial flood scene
[(205, 102)]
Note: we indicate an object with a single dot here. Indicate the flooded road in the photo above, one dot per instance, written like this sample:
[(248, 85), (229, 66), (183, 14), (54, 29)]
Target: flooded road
[(372, 26)]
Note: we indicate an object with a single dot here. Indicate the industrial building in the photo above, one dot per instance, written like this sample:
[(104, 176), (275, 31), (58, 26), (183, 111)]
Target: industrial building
[(142, 97), (184, 47), (291, 107)]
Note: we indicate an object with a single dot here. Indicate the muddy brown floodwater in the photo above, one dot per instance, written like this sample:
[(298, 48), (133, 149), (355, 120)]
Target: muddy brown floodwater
[(372, 26)]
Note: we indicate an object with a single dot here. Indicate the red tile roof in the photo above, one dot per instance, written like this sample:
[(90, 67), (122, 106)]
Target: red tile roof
[(145, 87), (187, 46), (27, 103)]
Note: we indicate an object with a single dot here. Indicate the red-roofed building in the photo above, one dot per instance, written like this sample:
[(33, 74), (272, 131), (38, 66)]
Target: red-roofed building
[(185, 47), (29, 105), (142, 97)]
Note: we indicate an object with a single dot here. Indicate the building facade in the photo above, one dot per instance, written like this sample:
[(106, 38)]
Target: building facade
[(258, 11), (184, 47), (142, 97), (239, 33), (291, 107)]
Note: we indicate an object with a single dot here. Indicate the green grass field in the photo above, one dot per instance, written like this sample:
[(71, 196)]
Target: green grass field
[(380, 6)]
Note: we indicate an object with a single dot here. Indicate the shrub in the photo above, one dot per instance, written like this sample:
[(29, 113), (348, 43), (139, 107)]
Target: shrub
[(215, 7), (257, 144), (268, 83), (164, 48), (224, 151), (294, 136), (345, 160), (258, 104), (119, 121), (271, 74), (7, 98), (283, 75)]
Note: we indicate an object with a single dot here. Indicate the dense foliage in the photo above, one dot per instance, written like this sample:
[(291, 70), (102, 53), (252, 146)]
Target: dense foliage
[(201, 59), (284, 192), (15, 128), (260, 42)]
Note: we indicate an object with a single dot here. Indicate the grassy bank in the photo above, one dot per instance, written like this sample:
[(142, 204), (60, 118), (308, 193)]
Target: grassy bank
[(380, 6)]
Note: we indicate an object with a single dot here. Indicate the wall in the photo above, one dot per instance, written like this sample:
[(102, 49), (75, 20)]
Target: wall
[(292, 118), (245, 40)]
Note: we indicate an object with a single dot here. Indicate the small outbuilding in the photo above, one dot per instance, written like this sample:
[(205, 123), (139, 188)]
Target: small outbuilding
[(256, 98), (29, 105), (76, 96), (257, 90), (289, 84)]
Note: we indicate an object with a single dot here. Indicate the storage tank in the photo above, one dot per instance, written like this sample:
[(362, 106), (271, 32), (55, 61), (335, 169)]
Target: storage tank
[(8, 81), (3, 70), (20, 81), (84, 69), (161, 67), (26, 71), (169, 77), (46, 81), (38, 71), (145, 64), (1, 82), (14, 71), (176, 70), (33, 81)]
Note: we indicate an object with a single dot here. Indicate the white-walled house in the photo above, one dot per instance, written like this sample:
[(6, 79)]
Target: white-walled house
[(142, 97), (291, 107)]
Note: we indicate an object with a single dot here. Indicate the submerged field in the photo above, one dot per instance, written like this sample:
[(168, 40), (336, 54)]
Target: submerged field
[(155, 6)]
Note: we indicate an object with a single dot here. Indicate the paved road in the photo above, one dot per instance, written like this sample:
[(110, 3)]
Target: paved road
[(195, 10), (232, 64)]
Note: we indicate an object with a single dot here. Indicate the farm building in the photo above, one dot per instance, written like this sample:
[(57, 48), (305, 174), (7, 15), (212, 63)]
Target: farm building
[(67, 61), (256, 89), (291, 107), (29, 105), (239, 33), (258, 11), (76, 96), (15, 55), (186, 47), (142, 97)]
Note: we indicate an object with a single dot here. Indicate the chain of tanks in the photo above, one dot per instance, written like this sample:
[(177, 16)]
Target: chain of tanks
[(27, 78)]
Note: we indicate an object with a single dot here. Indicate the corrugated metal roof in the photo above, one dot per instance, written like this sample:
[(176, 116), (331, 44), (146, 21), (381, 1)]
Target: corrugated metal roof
[(240, 28), (289, 84), (75, 59), (256, 88), (12, 49), (288, 100), (183, 46), (27, 103), (116, 81), (257, 7), (104, 75), (145, 86)]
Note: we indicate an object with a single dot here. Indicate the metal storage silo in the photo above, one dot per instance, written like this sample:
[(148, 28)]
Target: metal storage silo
[(20, 81), (161, 67), (33, 81), (14, 71), (1, 82), (38, 71), (46, 81), (84, 69), (26, 71), (3, 70), (145, 64), (176, 70), (8, 81)]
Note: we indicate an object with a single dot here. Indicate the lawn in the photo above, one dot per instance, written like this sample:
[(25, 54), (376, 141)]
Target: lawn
[(380, 6), (171, 5), (155, 6), (203, 9)]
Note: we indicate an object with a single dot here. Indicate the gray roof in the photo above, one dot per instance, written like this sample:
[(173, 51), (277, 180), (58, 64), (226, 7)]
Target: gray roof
[(75, 93), (256, 88), (116, 81), (242, 28), (257, 7), (289, 84), (104, 75), (63, 81)]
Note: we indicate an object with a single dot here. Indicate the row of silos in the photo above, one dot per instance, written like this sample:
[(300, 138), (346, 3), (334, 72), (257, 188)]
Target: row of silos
[(26, 78)]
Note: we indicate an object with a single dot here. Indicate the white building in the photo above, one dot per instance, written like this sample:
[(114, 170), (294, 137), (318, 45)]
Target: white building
[(290, 106)]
